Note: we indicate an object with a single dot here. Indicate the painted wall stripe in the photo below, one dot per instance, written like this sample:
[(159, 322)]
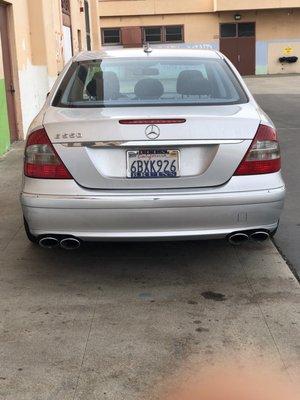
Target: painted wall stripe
[(4, 125)]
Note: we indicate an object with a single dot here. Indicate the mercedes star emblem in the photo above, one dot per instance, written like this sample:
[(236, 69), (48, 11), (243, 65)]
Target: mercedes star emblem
[(152, 132)]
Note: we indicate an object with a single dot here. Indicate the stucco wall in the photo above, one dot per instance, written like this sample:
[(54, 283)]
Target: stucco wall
[(36, 34), (34, 58), (234, 5), (278, 34), (199, 29), (94, 14), (152, 7), (276, 30)]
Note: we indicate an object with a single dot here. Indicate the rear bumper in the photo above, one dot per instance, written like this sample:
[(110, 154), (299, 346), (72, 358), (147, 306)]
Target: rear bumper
[(127, 215)]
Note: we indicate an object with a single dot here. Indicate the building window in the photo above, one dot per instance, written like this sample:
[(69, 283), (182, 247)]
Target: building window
[(111, 36), (153, 35), (241, 29), (228, 30), (246, 29), (174, 34), (163, 34), (150, 34)]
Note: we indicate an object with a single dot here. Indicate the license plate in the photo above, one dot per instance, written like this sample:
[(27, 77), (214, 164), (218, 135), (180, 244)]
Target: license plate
[(152, 164)]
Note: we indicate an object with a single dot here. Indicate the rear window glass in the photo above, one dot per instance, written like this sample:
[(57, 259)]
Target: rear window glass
[(149, 81)]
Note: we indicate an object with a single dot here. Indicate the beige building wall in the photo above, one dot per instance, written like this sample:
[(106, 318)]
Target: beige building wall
[(94, 14), (270, 24), (277, 28), (152, 7), (78, 23), (277, 35), (36, 33), (197, 27), (240, 5)]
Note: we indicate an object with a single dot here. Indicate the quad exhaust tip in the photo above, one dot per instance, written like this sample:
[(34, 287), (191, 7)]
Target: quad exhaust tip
[(259, 236), (70, 243), (49, 242), (241, 237), (238, 238)]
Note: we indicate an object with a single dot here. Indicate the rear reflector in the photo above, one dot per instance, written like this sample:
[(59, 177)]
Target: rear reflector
[(41, 160), (263, 156), (152, 121)]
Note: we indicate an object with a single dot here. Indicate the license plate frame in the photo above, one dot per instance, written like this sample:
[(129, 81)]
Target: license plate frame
[(147, 168)]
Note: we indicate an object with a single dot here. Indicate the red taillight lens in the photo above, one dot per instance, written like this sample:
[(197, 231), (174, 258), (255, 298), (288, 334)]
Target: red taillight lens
[(263, 156), (41, 159)]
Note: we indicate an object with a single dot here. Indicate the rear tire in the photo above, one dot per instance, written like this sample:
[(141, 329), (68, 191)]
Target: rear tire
[(29, 235)]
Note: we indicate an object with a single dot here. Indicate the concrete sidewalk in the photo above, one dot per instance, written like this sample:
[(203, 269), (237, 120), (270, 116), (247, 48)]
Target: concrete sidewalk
[(114, 321)]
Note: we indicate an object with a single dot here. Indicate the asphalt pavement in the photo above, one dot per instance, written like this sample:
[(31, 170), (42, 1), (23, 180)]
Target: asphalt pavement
[(279, 96)]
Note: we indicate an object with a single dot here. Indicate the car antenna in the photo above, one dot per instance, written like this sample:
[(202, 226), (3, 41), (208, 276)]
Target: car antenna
[(147, 48)]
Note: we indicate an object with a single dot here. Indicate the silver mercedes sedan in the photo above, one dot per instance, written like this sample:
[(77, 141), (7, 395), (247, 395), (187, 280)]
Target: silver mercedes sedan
[(150, 144)]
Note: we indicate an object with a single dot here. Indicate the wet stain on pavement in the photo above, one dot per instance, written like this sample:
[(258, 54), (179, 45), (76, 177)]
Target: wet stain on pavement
[(145, 296), (192, 302), (213, 296), (200, 329)]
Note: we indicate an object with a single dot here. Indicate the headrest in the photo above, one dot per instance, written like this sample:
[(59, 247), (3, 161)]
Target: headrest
[(111, 89), (148, 88), (192, 82)]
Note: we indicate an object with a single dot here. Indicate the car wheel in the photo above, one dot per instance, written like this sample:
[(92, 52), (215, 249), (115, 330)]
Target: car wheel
[(29, 235)]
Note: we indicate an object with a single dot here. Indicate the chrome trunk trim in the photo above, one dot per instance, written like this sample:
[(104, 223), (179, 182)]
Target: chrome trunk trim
[(149, 143)]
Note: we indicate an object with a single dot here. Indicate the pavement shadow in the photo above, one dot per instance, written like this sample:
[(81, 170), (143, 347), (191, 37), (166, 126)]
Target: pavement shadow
[(150, 263)]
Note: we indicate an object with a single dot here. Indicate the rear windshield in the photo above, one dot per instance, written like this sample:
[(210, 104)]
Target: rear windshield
[(149, 82)]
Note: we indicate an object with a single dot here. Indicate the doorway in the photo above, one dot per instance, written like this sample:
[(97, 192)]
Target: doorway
[(8, 74), (237, 42)]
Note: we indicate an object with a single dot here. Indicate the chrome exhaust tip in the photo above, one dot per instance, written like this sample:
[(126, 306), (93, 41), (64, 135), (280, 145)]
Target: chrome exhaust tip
[(48, 242), (70, 243), (238, 238), (259, 236)]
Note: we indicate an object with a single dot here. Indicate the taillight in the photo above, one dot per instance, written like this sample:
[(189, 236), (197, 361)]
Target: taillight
[(263, 156), (154, 121), (41, 159)]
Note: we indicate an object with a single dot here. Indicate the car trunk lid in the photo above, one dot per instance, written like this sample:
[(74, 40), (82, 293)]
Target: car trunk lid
[(93, 144)]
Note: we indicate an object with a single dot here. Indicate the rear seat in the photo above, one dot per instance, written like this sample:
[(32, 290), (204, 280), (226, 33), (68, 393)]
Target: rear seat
[(192, 83)]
